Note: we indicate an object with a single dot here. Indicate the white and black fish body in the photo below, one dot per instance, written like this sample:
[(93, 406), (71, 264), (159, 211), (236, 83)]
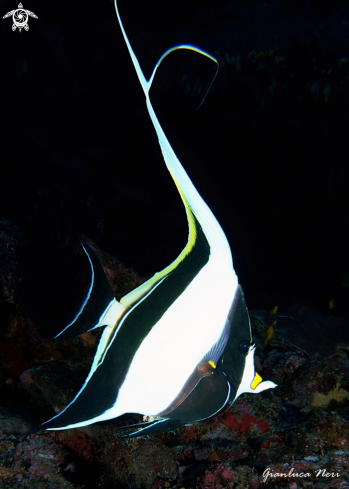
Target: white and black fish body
[(179, 347)]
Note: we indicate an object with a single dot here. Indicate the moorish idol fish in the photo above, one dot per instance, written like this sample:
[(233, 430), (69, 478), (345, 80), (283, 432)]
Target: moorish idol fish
[(179, 347)]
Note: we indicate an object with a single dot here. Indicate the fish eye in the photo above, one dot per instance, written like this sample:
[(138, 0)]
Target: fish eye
[(244, 346)]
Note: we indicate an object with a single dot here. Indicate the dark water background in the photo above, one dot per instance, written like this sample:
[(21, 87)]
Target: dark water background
[(268, 149)]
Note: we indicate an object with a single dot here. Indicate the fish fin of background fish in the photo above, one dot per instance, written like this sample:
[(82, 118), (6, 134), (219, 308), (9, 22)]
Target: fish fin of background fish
[(99, 307), (153, 427)]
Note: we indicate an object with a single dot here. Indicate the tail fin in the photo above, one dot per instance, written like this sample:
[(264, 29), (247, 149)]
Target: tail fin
[(99, 307)]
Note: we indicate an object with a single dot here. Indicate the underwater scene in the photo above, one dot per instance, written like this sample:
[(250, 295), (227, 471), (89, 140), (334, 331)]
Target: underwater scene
[(174, 244)]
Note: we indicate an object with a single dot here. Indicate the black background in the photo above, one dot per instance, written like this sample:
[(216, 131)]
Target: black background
[(79, 155)]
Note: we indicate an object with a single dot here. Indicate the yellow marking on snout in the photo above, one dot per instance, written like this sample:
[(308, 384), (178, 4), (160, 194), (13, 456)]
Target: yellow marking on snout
[(256, 381)]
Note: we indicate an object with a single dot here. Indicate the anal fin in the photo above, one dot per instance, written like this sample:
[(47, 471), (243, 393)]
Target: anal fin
[(152, 427)]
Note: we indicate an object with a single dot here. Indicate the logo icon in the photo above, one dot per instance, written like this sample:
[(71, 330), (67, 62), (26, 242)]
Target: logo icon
[(20, 18)]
